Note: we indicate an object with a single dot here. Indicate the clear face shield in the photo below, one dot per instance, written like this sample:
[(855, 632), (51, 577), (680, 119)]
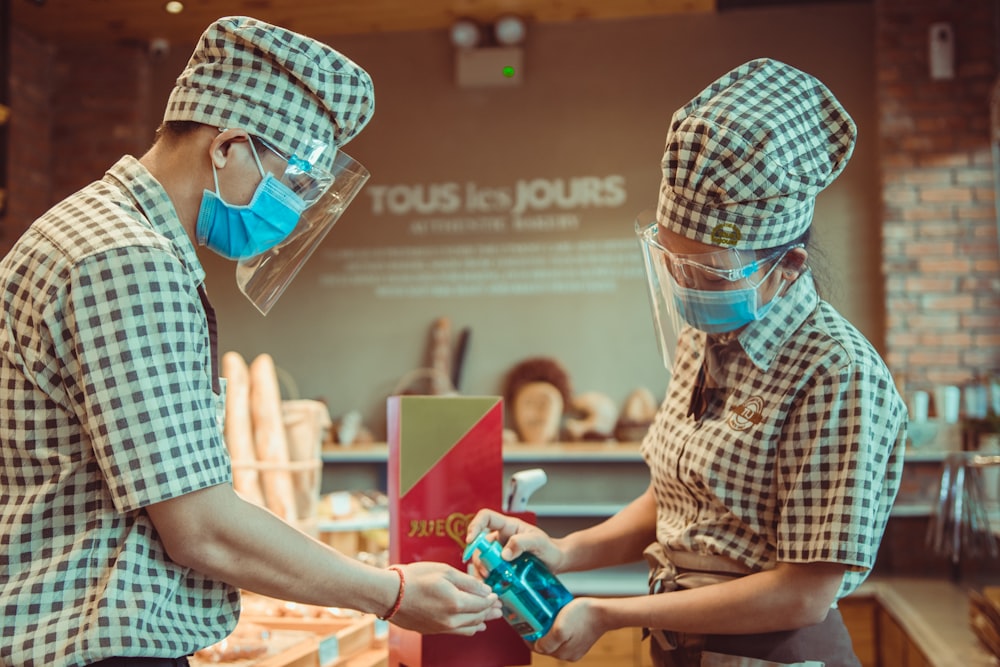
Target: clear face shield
[(264, 277), (714, 292)]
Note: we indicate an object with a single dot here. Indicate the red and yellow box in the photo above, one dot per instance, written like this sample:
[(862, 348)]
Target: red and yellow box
[(445, 464)]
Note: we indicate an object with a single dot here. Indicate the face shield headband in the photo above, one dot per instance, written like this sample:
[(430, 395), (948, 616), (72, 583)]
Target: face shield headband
[(264, 277), (300, 176), (714, 292)]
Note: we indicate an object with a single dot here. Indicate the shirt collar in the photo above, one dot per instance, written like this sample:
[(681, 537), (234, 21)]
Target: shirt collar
[(762, 338), (131, 177)]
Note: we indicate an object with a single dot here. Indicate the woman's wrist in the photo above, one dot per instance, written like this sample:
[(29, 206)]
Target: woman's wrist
[(605, 615), (564, 547)]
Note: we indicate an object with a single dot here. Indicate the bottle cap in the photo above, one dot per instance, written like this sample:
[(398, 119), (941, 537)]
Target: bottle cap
[(489, 552)]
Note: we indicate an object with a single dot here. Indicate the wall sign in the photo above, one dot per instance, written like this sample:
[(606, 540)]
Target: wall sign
[(469, 239)]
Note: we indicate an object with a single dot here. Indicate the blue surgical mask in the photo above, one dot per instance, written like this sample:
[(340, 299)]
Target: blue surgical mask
[(239, 232), (721, 311)]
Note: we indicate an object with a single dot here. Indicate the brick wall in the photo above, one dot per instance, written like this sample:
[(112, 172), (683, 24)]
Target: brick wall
[(75, 111), (30, 135), (102, 96), (940, 253)]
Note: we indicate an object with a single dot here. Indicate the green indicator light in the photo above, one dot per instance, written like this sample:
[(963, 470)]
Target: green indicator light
[(508, 71)]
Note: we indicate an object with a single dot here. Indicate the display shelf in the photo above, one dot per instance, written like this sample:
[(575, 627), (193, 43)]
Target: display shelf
[(585, 479), (918, 455), (376, 520), (512, 453), (369, 453), (610, 452), (576, 509), (600, 477), (565, 451), (587, 482), (911, 509), (367, 521)]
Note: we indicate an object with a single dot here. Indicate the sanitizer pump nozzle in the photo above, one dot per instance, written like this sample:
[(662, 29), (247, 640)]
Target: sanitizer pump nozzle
[(530, 593), (522, 484)]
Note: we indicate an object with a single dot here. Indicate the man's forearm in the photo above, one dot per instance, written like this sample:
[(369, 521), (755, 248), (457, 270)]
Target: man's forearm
[(224, 537)]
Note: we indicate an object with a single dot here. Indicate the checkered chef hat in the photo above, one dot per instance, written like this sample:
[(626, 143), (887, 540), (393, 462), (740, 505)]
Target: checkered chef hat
[(274, 83), (746, 158)]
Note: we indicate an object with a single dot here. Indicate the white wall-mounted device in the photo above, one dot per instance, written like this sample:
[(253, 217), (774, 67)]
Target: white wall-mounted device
[(942, 51)]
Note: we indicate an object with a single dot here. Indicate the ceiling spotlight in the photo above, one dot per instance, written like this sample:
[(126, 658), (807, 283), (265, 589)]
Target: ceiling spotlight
[(509, 30), (465, 34), (174, 7)]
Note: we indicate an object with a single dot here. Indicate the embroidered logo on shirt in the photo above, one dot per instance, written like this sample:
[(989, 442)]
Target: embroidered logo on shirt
[(746, 415)]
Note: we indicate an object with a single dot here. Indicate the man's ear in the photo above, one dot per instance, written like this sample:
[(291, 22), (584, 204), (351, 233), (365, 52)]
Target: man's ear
[(223, 142)]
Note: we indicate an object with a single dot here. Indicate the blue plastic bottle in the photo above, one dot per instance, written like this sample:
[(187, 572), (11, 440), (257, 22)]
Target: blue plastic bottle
[(530, 593)]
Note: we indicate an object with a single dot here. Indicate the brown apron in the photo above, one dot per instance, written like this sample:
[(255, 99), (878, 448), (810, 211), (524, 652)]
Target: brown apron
[(825, 644)]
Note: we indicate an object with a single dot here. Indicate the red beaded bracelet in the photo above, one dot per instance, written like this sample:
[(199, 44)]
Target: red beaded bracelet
[(399, 596)]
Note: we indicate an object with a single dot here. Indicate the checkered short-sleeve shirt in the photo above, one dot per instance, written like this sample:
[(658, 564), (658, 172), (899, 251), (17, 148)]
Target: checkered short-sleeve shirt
[(106, 406), (797, 456)]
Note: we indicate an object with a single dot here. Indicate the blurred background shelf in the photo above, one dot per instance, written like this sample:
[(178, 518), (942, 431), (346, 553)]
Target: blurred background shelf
[(586, 480), (378, 452), (594, 480)]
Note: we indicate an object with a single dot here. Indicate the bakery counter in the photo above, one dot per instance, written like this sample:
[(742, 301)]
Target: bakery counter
[(588, 482), (934, 614)]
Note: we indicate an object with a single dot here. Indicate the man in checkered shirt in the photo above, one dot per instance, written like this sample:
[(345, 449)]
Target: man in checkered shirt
[(776, 455), (122, 541)]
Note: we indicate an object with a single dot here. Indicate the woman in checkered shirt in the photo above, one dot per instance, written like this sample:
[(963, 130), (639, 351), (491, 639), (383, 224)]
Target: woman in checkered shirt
[(776, 454)]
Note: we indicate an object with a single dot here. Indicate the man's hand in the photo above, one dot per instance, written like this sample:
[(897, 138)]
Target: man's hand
[(441, 599)]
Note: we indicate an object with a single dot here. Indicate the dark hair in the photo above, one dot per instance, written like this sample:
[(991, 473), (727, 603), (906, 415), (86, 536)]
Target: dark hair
[(170, 130), (804, 240)]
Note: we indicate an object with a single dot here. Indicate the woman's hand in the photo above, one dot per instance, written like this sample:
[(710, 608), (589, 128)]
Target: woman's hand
[(576, 629), (440, 599), (517, 536)]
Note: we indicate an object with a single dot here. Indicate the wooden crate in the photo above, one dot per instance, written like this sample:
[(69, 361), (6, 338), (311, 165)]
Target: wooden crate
[(303, 654), (332, 641), (286, 648), (314, 642), (373, 657)]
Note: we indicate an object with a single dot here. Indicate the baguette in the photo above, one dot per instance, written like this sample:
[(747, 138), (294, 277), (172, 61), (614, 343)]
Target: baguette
[(269, 438), (439, 356), (238, 432), (306, 423)]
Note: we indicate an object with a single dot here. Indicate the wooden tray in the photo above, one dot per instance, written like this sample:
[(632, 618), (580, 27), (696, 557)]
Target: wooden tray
[(332, 639), (311, 642), (285, 648), (374, 657)]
